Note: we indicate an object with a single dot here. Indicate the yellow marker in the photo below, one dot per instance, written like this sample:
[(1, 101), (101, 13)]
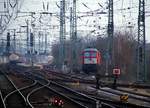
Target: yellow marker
[(124, 98)]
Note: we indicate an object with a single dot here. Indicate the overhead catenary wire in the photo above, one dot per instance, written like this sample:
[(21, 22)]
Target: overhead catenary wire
[(126, 10)]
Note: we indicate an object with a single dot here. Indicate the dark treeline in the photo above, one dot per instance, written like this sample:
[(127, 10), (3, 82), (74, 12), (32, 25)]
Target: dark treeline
[(124, 53)]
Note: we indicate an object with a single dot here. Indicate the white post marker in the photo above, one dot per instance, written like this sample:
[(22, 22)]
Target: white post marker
[(116, 71)]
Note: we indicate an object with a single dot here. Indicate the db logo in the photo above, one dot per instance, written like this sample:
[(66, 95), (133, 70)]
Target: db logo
[(116, 71)]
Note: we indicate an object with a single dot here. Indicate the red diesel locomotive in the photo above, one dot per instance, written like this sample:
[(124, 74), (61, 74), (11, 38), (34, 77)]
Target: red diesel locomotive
[(91, 59)]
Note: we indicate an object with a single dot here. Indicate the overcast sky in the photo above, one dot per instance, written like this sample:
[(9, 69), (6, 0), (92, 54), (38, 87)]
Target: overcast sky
[(124, 16)]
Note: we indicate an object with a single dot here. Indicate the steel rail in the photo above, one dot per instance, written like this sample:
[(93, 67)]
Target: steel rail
[(3, 103)]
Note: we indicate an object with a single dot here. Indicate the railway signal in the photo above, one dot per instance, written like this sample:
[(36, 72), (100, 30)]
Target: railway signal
[(57, 102), (116, 73)]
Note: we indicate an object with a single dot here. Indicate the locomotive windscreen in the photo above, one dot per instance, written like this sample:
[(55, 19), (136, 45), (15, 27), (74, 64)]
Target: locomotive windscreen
[(90, 54), (90, 57)]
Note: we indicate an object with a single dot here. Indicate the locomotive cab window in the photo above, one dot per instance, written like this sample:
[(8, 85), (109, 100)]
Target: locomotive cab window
[(90, 54), (93, 54), (87, 54)]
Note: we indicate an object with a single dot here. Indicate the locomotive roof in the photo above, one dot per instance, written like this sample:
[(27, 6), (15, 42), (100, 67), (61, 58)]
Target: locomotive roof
[(90, 49)]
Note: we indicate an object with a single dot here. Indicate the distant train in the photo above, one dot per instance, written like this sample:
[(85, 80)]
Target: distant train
[(91, 59)]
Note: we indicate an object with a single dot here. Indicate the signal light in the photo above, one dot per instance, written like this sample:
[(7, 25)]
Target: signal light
[(55, 101)]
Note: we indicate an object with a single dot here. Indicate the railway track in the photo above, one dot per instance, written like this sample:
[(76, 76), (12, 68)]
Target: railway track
[(24, 94), (15, 100), (6, 85), (80, 98), (14, 97), (25, 91), (29, 92), (131, 92), (132, 95), (35, 98), (2, 103), (76, 97), (17, 97), (110, 100), (40, 78), (71, 78), (83, 99), (40, 86), (11, 96), (61, 91)]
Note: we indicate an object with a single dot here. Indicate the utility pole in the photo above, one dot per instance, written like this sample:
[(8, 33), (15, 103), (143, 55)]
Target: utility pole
[(71, 43), (45, 42), (27, 35), (14, 40), (42, 41), (31, 47), (39, 35), (110, 32), (27, 22), (141, 56), (71, 23), (73, 36), (8, 44), (62, 33)]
